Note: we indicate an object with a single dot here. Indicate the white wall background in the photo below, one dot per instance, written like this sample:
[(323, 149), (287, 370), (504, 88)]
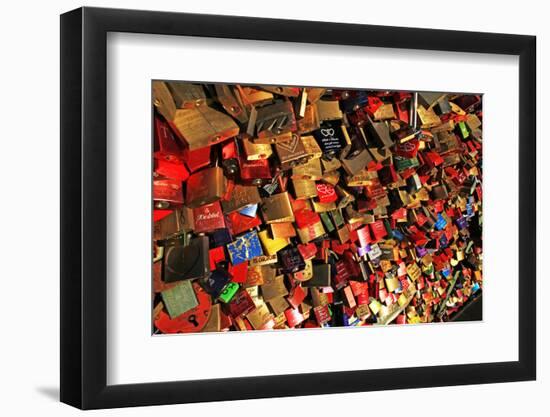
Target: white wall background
[(29, 220)]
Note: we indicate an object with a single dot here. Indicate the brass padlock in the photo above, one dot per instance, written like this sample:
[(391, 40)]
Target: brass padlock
[(329, 110), (203, 126), (232, 102), (291, 153), (304, 188), (205, 186), (277, 209), (241, 197), (187, 95)]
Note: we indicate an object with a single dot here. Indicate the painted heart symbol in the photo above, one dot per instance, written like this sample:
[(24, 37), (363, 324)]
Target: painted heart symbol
[(291, 145)]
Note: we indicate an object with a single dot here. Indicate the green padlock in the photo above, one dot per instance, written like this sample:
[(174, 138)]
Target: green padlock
[(463, 130), (229, 292), (326, 221)]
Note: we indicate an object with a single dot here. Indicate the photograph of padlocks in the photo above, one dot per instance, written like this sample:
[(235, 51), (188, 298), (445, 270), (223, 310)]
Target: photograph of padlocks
[(288, 207)]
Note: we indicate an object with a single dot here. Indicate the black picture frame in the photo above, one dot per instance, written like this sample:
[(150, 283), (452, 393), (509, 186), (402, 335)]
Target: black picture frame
[(84, 207)]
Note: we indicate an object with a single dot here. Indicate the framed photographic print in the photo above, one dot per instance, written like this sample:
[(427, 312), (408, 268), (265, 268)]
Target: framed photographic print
[(257, 208)]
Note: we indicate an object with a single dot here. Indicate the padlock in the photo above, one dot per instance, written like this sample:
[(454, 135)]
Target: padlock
[(205, 186), (256, 172), (166, 146), (186, 262), (272, 119), (186, 95), (208, 218), (332, 137), (273, 288), (378, 134), (261, 318), (329, 110), (282, 230), (167, 193), (254, 151), (277, 209), (244, 248), (291, 153), (179, 299), (175, 171), (321, 276), (272, 245), (232, 102), (291, 260), (310, 120), (241, 196), (311, 170), (304, 188)]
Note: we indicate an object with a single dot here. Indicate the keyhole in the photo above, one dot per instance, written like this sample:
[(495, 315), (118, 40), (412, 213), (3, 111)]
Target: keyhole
[(193, 320)]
